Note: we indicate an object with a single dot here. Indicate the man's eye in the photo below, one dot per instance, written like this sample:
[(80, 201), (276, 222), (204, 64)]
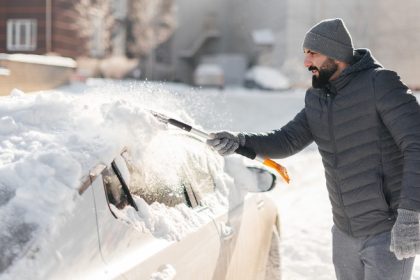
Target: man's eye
[(310, 52)]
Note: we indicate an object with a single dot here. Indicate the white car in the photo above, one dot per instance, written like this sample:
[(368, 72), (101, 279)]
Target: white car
[(209, 75), (215, 219), (266, 78)]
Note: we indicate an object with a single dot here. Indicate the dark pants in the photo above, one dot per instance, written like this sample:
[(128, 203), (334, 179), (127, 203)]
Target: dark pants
[(367, 258)]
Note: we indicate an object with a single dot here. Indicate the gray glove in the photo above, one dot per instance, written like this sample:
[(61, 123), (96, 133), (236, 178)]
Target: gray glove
[(405, 235), (225, 142)]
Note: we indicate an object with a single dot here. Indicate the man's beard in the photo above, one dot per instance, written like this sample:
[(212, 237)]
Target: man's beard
[(327, 69)]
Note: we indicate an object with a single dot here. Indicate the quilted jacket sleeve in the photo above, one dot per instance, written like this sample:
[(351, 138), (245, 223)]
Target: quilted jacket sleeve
[(284, 142), (400, 113)]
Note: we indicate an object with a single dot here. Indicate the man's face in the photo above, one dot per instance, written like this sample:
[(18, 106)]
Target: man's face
[(321, 66)]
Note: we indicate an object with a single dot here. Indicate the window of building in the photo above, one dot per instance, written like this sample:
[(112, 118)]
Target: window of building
[(21, 34)]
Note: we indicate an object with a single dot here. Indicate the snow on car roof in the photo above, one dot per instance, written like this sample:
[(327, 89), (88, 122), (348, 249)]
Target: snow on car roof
[(50, 140)]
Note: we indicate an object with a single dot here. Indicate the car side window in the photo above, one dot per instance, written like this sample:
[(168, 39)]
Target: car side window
[(113, 188), (123, 180)]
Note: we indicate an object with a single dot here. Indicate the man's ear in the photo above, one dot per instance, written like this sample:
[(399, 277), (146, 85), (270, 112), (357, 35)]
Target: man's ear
[(341, 64)]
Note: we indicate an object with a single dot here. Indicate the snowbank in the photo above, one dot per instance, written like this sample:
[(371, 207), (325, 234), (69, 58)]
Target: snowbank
[(40, 59)]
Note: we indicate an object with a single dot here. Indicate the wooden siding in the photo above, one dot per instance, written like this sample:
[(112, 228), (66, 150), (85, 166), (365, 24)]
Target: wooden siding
[(66, 36)]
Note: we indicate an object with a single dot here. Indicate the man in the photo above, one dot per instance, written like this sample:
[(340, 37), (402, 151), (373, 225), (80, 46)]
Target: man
[(366, 124)]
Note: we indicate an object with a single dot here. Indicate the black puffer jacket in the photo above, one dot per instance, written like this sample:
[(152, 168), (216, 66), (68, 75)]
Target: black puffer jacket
[(366, 124)]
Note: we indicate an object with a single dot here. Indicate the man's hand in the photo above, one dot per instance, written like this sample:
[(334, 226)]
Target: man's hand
[(405, 235), (225, 142)]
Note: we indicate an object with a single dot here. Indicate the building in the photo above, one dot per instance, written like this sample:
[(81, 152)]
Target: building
[(40, 27)]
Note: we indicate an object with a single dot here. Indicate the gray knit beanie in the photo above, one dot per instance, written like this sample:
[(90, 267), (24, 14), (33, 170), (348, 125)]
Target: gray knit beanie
[(330, 37)]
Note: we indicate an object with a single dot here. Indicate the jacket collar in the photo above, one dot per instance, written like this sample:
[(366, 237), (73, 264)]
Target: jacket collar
[(362, 60)]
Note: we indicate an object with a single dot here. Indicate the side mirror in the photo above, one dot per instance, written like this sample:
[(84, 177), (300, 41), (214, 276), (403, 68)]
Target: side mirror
[(266, 180)]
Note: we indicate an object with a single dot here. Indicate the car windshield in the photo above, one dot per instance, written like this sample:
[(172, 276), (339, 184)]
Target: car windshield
[(189, 163)]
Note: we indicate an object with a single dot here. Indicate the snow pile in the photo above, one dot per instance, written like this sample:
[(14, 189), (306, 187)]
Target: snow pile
[(171, 223), (268, 78)]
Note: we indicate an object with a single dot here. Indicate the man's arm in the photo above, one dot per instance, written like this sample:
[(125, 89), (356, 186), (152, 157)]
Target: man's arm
[(284, 142), (400, 113)]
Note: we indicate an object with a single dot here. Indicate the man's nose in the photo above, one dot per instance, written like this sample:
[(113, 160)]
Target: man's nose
[(307, 62)]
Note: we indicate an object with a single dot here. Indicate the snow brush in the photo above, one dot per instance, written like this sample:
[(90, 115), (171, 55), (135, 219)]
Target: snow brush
[(244, 151)]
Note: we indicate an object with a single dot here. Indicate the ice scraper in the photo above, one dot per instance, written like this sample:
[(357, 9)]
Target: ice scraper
[(244, 151)]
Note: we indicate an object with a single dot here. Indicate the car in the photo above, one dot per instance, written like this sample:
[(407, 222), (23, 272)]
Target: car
[(266, 78), (209, 75), (135, 216)]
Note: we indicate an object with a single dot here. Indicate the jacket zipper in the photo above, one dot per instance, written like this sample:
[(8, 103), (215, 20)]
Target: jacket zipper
[(330, 99), (330, 127)]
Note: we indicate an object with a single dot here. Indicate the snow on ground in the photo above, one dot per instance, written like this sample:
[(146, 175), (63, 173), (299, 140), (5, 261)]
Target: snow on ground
[(50, 139)]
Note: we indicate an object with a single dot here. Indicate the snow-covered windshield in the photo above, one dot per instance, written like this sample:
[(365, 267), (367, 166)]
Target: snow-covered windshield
[(193, 168)]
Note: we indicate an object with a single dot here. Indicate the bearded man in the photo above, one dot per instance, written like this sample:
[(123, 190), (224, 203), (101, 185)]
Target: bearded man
[(366, 124)]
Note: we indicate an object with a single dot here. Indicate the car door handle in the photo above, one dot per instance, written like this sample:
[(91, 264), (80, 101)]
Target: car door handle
[(260, 204), (227, 232), (166, 271)]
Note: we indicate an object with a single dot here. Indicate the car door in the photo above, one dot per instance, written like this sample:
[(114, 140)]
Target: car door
[(131, 252), (71, 250), (245, 232)]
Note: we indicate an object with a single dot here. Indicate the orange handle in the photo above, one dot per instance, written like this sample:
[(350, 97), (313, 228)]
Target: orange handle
[(279, 168)]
